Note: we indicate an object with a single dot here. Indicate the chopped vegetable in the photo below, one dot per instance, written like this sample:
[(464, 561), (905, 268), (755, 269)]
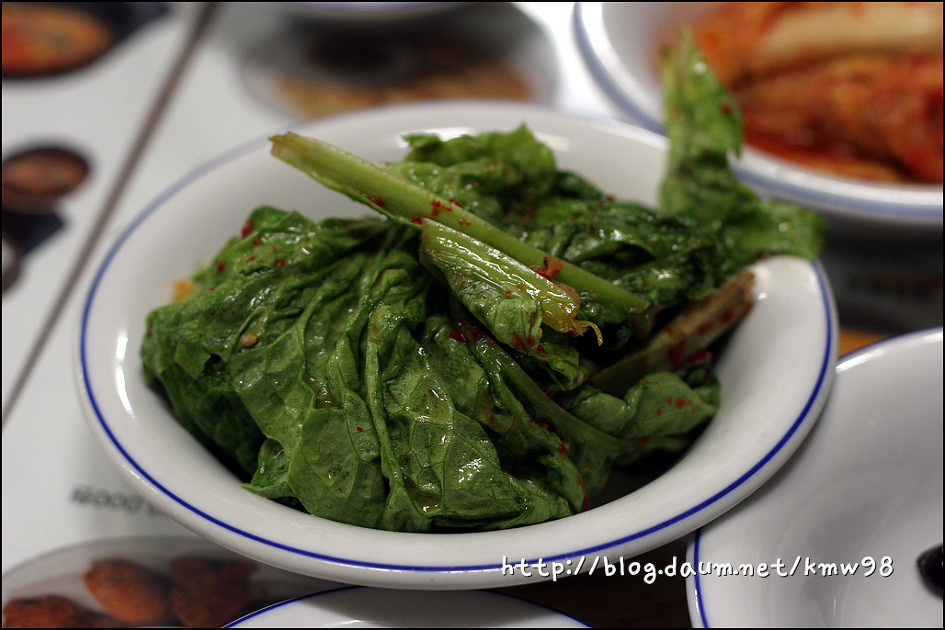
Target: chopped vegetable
[(483, 351)]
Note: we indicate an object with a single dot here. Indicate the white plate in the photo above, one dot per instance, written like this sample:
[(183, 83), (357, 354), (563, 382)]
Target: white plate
[(61, 572), (620, 40), (775, 371), (359, 607), (866, 486)]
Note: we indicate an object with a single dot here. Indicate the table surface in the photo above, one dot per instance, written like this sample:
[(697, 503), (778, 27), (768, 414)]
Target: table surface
[(185, 83)]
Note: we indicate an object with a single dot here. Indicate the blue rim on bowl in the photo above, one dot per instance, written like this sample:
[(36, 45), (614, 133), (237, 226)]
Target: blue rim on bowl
[(879, 450), (358, 605)]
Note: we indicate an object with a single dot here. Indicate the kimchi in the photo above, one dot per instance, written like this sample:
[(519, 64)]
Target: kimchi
[(851, 88)]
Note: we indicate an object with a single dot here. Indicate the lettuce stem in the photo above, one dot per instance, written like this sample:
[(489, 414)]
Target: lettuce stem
[(403, 200)]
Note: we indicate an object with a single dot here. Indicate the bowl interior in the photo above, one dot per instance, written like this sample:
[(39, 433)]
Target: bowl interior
[(850, 514)]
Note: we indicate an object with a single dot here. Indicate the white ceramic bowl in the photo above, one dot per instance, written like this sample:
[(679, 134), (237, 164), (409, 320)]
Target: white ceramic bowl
[(361, 607), (864, 490), (620, 40), (775, 372)]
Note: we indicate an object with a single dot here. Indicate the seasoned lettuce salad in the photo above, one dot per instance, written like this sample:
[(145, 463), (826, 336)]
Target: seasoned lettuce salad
[(489, 345)]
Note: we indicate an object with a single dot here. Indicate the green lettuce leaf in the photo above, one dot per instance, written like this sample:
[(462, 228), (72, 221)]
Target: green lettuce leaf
[(430, 368)]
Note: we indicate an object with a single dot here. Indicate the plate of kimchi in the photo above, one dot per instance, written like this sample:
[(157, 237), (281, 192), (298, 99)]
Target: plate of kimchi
[(841, 101)]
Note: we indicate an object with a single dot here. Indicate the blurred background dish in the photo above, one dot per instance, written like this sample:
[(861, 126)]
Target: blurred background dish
[(368, 15), (486, 51), (180, 581), (361, 607), (621, 43), (864, 490), (41, 39), (34, 179), (778, 364)]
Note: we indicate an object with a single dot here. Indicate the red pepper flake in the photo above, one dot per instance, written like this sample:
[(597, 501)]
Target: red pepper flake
[(586, 505), (458, 336), (509, 292), (251, 259), (516, 340), (530, 341), (456, 203), (359, 429), (564, 447), (642, 442), (465, 222), (280, 262), (552, 266), (377, 201), (221, 265), (417, 220), (676, 354), (544, 425), (700, 356), (681, 402), (247, 228), (659, 412), (438, 207), (541, 350), (257, 242), (476, 334), (581, 482)]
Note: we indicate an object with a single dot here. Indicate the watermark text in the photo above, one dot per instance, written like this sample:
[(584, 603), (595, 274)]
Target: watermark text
[(800, 566)]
